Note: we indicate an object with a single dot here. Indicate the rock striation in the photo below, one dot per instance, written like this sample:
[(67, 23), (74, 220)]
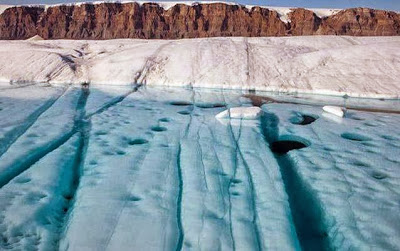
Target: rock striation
[(152, 21)]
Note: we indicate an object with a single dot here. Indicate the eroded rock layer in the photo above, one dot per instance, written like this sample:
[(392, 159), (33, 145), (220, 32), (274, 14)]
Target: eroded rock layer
[(150, 20)]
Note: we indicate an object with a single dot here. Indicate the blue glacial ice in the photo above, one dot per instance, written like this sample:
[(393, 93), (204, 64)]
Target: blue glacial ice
[(138, 168)]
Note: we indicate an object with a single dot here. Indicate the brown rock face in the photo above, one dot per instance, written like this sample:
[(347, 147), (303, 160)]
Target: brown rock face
[(362, 22), (19, 22), (303, 22), (149, 20), (131, 20)]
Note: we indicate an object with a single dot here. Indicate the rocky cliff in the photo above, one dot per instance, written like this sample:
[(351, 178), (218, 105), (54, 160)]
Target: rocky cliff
[(19, 22), (150, 20)]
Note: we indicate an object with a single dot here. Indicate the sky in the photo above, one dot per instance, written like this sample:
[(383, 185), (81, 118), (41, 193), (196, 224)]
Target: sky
[(378, 4)]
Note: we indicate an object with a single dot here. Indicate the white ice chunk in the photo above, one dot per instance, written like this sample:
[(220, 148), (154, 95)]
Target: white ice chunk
[(253, 112), (335, 110)]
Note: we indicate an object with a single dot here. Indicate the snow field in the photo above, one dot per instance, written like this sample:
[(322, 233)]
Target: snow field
[(332, 65)]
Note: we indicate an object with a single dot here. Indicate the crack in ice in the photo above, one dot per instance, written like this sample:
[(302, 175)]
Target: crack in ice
[(17, 132)]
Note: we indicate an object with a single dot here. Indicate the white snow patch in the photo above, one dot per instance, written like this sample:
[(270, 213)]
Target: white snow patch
[(283, 12), (3, 7), (250, 113), (335, 110), (325, 12)]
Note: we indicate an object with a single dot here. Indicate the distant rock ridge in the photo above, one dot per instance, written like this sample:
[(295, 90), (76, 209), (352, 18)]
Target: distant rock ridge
[(152, 21)]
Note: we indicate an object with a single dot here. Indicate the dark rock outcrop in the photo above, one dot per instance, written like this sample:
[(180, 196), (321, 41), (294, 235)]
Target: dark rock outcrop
[(149, 20)]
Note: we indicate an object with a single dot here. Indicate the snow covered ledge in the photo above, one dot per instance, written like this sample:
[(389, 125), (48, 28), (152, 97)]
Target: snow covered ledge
[(334, 65)]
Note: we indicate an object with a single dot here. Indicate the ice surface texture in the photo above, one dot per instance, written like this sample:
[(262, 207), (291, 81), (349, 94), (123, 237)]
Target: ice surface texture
[(351, 172), (128, 168), (334, 65)]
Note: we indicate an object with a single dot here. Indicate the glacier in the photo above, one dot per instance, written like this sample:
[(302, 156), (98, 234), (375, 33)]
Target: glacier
[(138, 167)]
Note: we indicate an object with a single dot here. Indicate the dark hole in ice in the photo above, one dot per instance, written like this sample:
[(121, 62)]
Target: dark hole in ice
[(360, 163), (138, 141), (85, 85), (379, 175), (221, 173), (101, 132), (210, 105), (120, 152), (68, 197), (180, 103), (108, 153), (134, 198), (305, 120), (284, 146), (32, 135), (184, 112), (371, 124), (355, 137), (158, 128), (235, 193), (93, 162), (164, 120), (236, 181)]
